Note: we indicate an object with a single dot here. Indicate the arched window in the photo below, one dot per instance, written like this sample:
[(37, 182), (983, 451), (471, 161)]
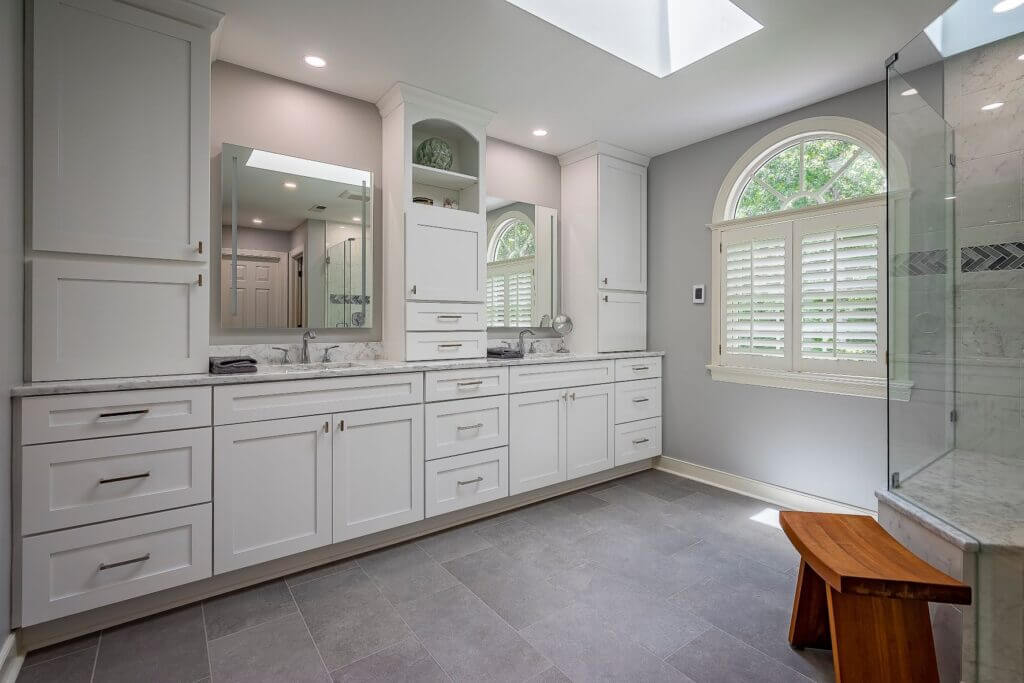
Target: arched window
[(799, 261), (510, 266)]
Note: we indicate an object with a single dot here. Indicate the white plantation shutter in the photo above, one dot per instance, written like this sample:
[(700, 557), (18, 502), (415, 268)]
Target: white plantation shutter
[(754, 274), (509, 294), (494, 297), (520, 299)]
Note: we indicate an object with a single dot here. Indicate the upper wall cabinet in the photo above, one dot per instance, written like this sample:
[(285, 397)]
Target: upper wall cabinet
[(621, 225), (120, 128)]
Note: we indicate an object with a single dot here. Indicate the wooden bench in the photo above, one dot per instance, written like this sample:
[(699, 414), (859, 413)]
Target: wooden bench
[(866, 597)]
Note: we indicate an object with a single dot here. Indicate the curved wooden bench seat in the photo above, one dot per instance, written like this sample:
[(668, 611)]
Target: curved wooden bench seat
[(866, 596)]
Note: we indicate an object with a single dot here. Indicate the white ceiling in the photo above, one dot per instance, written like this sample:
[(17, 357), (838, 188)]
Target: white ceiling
[(492, 54)]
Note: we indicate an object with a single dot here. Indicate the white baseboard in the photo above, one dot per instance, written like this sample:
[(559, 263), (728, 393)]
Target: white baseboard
[(11, 658), (770, 493)]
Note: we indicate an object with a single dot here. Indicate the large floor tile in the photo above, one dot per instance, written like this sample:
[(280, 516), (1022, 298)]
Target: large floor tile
[(457, 542), (709, 559), (278, 650), (348, 617), (75, 667), (406, 572), (166, 647), (658, 625), (660, 484), (242, 609), (633, 559), (580, 502), (552, 675), (403, 662), (516, 591), (586, 648), (717, 657), (319, 572), (470, 641), (524, 542), (45, 654), (556, 521)]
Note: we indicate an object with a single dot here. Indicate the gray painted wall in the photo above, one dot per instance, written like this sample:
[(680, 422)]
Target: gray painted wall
[(11, 267), (523, 175), (258, 110), (829, 446)]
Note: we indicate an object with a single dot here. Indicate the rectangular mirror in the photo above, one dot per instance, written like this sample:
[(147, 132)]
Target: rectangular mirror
[(296, 242), (522, 264)]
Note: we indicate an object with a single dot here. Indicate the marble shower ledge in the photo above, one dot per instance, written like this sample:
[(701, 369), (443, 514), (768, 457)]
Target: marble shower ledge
[(277, 373), (928, 521)]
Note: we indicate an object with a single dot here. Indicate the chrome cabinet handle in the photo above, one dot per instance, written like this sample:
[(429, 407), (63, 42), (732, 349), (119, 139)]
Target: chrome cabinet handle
[(478, 425), (470, 383), (448, 346), (123, 413), (414, 289), (641, 400), (471, 481), (446, 316), (127, 477), (641, 368), (135, 560), (572, 396), (637, 442), (604, 281), (199, 247), (605, 298), (200, 283)]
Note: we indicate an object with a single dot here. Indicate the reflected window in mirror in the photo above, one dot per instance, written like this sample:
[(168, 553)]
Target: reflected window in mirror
[(522, 264)]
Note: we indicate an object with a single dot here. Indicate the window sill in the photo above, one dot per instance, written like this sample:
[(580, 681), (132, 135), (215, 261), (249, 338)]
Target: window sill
[(845, 385)]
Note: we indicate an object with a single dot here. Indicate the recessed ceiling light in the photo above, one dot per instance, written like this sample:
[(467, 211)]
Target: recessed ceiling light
[(993, 105), (540, 132), (357, 219), (1020, 58), (908, 93), (320, 62), (290, 185), (1007, 5), (257, 221), (951, 197)]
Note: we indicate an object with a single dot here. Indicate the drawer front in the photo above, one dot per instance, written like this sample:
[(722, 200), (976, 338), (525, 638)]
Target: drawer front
[(455, 427), (46, 419), (276, 400), (71, 571), (560, 375), (442, 385), (445, 345), (637, 440), (627, 369), (81, 482), (438, 317), (637, 400), (465, 480)]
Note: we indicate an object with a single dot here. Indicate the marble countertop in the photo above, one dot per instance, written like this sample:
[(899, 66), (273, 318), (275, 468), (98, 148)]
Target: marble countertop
[(279, 372)]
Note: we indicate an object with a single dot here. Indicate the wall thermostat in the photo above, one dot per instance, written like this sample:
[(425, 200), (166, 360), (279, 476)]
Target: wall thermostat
[(698, 294)]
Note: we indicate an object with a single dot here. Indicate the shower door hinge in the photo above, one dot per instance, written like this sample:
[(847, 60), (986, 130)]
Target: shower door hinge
[(892, 59), (953, 416), (719, 349), (894, 480), (328, 260), (952, 160)]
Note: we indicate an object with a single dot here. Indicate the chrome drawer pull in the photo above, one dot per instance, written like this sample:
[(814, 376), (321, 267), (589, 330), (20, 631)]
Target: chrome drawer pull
[(478, 425), (641, 368), (641, 400), (448, 346), (471, 481), (637, 442), (449, 316), (470, 383), (135, 560), (123, 413), (126, 477)]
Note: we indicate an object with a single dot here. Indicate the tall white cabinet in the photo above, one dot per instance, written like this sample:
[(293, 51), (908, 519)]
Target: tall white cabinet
[(120, 172), (435, 246), (604, 246)]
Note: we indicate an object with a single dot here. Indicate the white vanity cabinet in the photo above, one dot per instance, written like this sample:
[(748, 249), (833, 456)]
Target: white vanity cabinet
[(445, 254), (378, 470), (536, 439), (272, 487), (589, 430), (604, 282)]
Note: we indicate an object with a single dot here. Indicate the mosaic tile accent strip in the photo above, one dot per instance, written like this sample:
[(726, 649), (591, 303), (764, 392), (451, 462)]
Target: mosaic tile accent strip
[(919, 263), (987, 257)]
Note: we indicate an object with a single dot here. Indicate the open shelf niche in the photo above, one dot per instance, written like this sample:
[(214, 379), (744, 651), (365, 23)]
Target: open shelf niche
[(460, 183)]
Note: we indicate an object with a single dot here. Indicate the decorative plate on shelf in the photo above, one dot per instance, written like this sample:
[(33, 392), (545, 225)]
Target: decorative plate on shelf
[(434, 152), (423, 200)]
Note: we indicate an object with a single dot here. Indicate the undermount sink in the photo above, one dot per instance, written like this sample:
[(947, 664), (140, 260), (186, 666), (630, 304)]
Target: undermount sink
[(306, 367)]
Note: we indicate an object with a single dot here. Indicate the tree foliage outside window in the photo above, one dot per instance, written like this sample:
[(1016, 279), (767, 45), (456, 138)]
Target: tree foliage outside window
[(514, 240), (510, 264), (815, 170)]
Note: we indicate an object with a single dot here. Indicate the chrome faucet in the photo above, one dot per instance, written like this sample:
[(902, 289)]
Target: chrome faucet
[(522, 342), (307, 337), (327, 352)]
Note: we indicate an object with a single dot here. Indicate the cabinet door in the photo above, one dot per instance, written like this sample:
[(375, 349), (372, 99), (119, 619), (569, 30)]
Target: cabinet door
[(622, 322), (120, 131), (94, 319), (589, 430), (622, 225), (378, 470), (445, 251), (536, 454), (272, 490)]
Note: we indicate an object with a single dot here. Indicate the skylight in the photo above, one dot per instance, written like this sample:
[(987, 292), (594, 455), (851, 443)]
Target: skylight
[(269, 161), (659, 36)]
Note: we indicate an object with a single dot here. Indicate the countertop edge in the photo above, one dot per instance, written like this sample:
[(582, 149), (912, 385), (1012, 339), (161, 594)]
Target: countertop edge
[(944, 529)]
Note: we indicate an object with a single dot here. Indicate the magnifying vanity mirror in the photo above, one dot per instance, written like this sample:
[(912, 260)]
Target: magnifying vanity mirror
[(522, 264), (296, 242)]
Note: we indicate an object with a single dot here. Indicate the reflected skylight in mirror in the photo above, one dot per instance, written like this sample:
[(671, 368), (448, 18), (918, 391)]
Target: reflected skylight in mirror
[(968, 24), (270, 161), (659, 36)]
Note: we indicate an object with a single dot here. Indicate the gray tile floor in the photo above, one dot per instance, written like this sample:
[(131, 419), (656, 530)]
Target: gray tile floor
[(648, 578)]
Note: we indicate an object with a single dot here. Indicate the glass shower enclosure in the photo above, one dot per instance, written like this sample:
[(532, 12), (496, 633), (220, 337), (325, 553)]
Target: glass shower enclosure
[(955, 100)]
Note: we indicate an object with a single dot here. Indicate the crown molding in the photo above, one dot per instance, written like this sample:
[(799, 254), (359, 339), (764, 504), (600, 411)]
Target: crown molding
[(403, 93), (605, 149), (181, 10)]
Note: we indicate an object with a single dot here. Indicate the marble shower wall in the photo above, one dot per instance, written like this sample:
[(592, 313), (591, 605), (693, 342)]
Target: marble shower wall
[(989, 303)]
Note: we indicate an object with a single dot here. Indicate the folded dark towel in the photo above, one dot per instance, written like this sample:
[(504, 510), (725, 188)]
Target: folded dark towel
[(504, 353), (232, 365)]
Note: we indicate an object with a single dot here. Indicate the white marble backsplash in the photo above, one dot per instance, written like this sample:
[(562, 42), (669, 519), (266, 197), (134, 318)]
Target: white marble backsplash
[(269, 354)]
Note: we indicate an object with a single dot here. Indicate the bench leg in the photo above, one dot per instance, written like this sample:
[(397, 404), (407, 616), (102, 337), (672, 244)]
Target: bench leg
[(809, 624), (881, 640)]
